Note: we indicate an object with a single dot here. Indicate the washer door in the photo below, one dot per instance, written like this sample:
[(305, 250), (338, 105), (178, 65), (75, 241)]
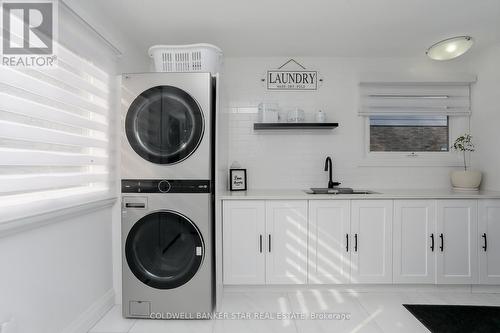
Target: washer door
[(164, 125), (164, 250)]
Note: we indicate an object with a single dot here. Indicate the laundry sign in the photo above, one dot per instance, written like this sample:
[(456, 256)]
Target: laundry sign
[(292, 80), (300, 79)]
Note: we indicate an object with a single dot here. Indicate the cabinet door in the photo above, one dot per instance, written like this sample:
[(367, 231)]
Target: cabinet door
[(286, 243), (371, 238), (328, 257), (489, 241), (243, 242), (457, 261), (414, 240)]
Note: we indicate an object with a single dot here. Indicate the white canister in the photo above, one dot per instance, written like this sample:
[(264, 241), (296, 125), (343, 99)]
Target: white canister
[(296, 116), (320, 117), (268, 112)]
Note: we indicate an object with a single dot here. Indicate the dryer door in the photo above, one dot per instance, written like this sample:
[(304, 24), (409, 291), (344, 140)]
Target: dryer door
[(164, 125), (164, 250)]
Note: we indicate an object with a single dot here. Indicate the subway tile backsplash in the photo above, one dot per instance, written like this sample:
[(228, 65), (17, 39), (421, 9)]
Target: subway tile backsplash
[(295, 159)]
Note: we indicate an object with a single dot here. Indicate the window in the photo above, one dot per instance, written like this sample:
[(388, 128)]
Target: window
[(413, 123), (409, 133), (55, 131)]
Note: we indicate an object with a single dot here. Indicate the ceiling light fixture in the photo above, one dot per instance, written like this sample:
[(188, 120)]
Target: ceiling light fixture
[(450, 48)]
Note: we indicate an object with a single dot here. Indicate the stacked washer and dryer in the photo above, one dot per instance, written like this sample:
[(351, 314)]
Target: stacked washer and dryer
[(167, 194)]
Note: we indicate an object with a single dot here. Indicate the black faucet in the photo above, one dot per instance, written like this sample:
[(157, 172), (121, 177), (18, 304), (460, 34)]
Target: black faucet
[(329, 168)]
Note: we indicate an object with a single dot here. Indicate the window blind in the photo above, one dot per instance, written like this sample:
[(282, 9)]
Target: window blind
[(415, 99), (56, 133)]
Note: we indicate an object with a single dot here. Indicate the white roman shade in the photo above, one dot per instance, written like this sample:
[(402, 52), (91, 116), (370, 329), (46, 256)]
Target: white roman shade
[(56, 129), (447, 99)]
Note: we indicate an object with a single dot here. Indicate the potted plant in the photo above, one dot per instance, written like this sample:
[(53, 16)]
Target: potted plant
[(465, 179)]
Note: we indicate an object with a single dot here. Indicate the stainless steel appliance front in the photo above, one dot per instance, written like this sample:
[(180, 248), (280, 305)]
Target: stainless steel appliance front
[(167, 253), (166, 125)]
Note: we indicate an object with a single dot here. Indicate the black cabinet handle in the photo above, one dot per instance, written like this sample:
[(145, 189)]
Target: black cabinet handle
[(432, 242), (260, 243), (485, 246), (346, 242), (355, 242), (269, 243), (442, 242)]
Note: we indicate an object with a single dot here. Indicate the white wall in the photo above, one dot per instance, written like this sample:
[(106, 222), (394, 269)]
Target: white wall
[(486, 119), (295, 159), (58, 277), (51, 275), (132, 59)]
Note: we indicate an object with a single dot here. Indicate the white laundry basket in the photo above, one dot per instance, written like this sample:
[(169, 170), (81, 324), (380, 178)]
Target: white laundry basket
[(186, 58)]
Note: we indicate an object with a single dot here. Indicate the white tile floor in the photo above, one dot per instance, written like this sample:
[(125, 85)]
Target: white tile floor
[(368, 312)]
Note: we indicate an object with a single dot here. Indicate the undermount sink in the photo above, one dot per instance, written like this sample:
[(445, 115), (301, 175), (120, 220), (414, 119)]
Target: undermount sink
[(338, 190)]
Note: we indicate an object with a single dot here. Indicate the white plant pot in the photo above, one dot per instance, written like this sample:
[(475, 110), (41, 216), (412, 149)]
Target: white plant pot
[(466, 180)]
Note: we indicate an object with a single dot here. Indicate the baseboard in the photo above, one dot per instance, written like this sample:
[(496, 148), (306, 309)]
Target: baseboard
[(352, 288), (490, 289), (91, 316)]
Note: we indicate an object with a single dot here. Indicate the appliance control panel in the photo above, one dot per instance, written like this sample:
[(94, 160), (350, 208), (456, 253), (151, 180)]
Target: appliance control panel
[(165, 186)]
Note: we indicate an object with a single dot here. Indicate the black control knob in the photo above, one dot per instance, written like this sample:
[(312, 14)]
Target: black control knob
[(164, 186)]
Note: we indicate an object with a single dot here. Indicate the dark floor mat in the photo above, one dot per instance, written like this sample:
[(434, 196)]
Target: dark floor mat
[(457, 318)]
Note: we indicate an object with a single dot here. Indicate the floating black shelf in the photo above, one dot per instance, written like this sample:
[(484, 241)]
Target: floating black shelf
[(277, 126)]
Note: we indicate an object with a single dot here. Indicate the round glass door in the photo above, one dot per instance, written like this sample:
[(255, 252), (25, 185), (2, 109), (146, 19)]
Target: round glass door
[(164, 125), (164, 250)]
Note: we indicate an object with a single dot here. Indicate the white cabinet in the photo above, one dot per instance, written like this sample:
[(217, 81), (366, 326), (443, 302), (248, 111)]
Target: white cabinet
[(414, 240), (329, 229), (350, 241), (243, 242), (335, 241), (265, 242), (489, 241), (457, 242), (286, 228), (371, 241)]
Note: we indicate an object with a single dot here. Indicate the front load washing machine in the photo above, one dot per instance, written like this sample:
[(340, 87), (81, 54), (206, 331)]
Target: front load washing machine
[(167, 248), (167, 125)]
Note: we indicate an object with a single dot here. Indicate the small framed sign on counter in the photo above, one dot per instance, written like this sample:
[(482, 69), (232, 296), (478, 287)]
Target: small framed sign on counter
[(238, 179)]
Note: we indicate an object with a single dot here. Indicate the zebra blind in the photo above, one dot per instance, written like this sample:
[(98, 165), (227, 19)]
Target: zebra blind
[(415, 99), (56, 135)]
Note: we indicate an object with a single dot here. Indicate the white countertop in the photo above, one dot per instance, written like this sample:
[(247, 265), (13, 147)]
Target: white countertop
[(300, 194)]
